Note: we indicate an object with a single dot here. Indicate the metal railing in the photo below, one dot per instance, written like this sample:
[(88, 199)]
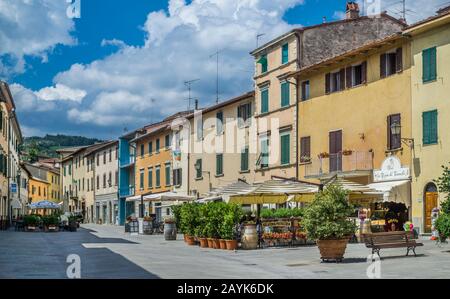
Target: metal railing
[(338, 163)]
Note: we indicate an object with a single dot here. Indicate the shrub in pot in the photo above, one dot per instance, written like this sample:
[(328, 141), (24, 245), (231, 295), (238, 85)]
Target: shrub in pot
[(231, 217), (443, 226), (31, 221), (189, 215), (50, 222), (326, 220)]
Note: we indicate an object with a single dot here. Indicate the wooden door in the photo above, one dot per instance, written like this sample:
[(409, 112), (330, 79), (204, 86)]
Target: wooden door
[(431, 202), (335, 151)]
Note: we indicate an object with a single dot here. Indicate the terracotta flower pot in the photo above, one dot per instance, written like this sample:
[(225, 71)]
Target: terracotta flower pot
[(190, 240), (203, 242), (332, 249), (223, 244), (231, 244), (210, 243), (216, 243)]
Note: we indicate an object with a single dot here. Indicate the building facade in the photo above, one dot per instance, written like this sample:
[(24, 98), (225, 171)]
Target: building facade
[(222, 145), (430, 41), (276, 111)]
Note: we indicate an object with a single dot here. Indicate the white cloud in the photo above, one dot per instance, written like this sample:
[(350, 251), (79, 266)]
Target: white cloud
[(31, 27), (28, 101), (61, 92), (177, 48)]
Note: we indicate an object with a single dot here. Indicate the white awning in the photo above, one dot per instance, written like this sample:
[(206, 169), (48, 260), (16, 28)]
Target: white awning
[(393, 191)]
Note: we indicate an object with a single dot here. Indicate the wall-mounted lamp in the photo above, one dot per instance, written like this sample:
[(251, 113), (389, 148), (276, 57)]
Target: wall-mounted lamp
[(396, 129)]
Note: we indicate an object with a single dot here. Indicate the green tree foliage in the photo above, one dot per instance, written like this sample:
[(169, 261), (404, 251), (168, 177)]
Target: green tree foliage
[(328, 215), (443, 183)]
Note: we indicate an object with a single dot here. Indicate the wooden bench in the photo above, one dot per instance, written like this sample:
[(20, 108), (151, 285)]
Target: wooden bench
[(402, 239)]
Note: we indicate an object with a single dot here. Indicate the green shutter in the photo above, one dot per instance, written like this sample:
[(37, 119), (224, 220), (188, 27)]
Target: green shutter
[(263, 62), (199, 169), (285, 54), (150, 178), (244, 159), (285, 149), (219, 164), (429, 64), (158, 177), (430, 127), (265, 101), (167, 175), (219, 119), (285, 95)]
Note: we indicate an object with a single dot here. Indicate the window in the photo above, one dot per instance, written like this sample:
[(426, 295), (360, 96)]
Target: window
[(244, 114), (198, 169), (219, 164), (264, 162), (70, 169), (142, 151), (430, 127), (150, 148), (177, 177), (263, 62), (265, 100), (167, 141), (158, 176), (167, 174), (116, 178), (157, 146), (98, 159), (219, 122), (285, 144), (88, 189), (39, 190), (394, 140), (285, 94), (356, 75), (104, 158), (110, 155), (141, 179), (335, 82), (92, 184), (429, 65), (305, 149), (110, 179), (82, 185), (104, 180), (285, 54), (244, 159), (98, 182), (150, 177), (65, 167), (305, 90), (117, 153), (391, 63)]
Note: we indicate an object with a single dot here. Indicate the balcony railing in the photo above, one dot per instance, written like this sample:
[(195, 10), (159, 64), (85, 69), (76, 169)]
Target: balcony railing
[(128, 191), (339, 163)]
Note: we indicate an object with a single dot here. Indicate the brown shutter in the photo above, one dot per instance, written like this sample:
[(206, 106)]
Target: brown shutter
[(383, 65), (327, 83), (389, 132), (342, 83), (303, 90), (364, 72), (348, 76), (399, 60)]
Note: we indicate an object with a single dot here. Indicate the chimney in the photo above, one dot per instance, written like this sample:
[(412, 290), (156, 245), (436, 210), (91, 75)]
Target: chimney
[(352, 11), (196, 104)]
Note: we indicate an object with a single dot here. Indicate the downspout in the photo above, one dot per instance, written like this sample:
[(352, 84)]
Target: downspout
[(297, 113)]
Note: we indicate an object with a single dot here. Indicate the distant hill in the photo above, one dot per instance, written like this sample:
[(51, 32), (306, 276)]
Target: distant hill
[(34, 147)]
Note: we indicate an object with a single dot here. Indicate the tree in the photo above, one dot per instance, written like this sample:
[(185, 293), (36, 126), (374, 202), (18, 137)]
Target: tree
[(443, 183)]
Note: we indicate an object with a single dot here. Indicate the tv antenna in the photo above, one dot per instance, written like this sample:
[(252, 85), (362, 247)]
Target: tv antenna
[(217, 73), (189, 86)]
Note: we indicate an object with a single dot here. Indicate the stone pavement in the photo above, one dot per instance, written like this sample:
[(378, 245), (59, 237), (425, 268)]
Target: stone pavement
[(174, 259)]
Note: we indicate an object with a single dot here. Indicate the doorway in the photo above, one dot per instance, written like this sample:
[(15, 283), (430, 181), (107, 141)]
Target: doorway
[(431, 198)]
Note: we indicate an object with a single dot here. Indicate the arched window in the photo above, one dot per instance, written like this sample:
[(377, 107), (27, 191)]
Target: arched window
[(431, 187)]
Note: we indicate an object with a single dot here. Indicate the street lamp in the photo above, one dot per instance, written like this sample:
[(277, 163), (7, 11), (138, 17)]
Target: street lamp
[(396, 129)]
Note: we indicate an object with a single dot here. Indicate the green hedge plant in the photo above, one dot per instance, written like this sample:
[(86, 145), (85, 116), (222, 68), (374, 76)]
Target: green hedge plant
[(443, 225), (327, 218)]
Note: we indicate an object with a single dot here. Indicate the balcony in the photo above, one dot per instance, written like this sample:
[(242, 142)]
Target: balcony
[(127, 191), (350, 163), (127, 161)]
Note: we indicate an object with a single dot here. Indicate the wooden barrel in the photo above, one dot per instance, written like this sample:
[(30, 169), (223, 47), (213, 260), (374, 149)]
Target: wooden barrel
[(170, 231), (250, 237)]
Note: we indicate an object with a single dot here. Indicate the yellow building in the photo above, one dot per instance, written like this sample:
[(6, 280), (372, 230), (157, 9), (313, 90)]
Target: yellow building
[(355, 117), (37, 189), (430, 75), (53, 178)]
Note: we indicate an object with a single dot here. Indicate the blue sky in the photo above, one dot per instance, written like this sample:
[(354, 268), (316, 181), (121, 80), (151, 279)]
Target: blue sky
[(123, 63)]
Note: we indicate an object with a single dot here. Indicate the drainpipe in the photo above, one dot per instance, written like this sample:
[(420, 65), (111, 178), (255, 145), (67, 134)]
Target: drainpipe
[(297, 113)]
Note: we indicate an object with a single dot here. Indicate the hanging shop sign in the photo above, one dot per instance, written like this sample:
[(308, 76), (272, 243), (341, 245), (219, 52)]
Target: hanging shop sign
[(391, 170)]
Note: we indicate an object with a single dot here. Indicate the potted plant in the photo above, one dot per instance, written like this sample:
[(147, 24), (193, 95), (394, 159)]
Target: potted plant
[(73, 223), (442, 225), (200, 228), (189, 221), (347, 152), (50, 222), (31, 222), (231, 218), (324, 155), (326, 220)]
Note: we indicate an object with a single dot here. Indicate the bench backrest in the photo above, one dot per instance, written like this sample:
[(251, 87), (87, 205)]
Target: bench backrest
[(389, 237)]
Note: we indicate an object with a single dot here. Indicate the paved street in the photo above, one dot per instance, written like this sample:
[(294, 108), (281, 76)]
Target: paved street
[(107, 252)]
